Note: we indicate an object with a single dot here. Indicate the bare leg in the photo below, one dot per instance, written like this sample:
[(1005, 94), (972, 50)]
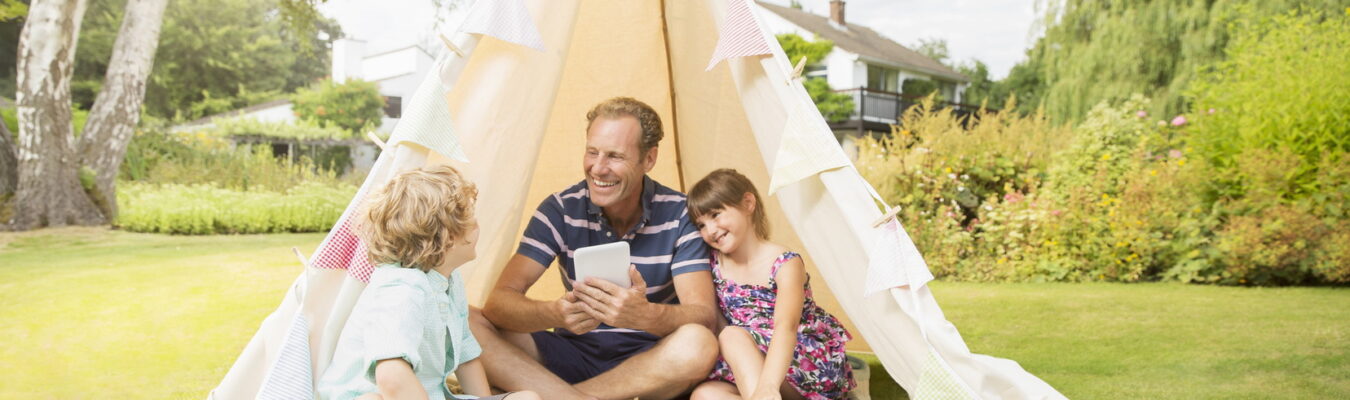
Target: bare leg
[(512, 361), (670, 368), (746, 362), (715, 390)]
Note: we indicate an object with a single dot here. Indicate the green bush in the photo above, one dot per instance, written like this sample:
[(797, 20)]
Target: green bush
[(199, 158), (206, 209), (1283, 85), (354, 106), (302, 130)]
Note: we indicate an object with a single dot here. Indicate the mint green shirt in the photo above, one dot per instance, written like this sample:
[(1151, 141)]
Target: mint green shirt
[(421, 317)]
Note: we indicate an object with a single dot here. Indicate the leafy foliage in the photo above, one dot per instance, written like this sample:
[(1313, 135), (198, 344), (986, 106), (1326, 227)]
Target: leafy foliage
[(1120, 197), (1283, 86), (797, 47), (213, 55), (302, 129), (833, 106), (354, 106), (1106, 50), (207, 209)]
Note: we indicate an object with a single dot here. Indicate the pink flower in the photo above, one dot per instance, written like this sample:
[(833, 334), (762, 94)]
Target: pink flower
[(1012, 197), (1174, 153), (1055, 212), (1141, 114), (1211, 111), (1179, 120)]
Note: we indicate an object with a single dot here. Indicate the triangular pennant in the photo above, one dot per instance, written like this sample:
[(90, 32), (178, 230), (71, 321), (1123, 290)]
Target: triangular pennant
[(426, 121), (507, 20), (803, 152), (291, 376), (740, 35), (895, 262)]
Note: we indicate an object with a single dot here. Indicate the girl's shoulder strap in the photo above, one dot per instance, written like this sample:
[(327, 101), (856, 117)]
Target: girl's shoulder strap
[(778, 262)]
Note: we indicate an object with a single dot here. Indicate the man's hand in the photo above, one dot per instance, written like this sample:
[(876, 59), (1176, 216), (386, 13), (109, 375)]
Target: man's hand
[(613, 305), (575, 317)]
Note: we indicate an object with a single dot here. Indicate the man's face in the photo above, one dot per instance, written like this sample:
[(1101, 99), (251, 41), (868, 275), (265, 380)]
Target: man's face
[(614, 169)]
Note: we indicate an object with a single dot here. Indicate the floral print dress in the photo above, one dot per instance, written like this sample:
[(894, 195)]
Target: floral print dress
[(819, 367)]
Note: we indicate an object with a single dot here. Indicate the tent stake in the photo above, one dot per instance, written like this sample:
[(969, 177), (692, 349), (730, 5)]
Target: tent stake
[(890, 214)]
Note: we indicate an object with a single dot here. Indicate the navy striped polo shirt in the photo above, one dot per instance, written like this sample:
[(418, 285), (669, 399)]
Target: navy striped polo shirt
[(664, 243)]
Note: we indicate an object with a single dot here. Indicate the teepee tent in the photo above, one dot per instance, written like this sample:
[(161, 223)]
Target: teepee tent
[(507, 108)]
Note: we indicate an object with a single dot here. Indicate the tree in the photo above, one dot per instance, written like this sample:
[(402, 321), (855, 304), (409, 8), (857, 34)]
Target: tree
[(833, 106), (934, 48), (1095, 50), (118, 106), (215, 55), (49, 191), (354, 105)]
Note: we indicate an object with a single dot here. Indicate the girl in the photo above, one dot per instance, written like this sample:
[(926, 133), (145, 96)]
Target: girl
[(779, 343), (410, 329)]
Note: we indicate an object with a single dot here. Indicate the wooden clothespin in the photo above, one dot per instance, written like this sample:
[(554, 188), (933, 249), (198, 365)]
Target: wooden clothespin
[(889, 215), (450, 45), (797, 70), (376, 139)]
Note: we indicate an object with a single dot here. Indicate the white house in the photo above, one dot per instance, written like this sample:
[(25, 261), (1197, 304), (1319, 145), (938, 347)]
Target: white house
[(864, 63), (397, 71)]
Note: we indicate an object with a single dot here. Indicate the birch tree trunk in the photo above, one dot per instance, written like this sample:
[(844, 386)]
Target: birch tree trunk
[(117, 108), (49, 192), (9, 163)]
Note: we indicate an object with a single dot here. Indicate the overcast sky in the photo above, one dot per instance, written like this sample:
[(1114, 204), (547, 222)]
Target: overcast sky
[(994, 31)]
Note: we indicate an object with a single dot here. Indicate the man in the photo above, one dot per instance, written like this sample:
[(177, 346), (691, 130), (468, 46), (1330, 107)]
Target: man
[(652, 340)]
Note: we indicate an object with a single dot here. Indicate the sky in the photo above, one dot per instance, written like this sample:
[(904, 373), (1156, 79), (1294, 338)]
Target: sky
[(997, 32)]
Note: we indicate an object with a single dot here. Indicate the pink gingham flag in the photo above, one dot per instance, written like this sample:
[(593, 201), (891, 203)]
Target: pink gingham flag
[(342, 249), (740, 35)]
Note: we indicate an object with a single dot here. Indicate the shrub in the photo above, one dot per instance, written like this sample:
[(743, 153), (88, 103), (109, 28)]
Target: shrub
[(207, 209), (1283, 85), (303, 129), (354, 106), (199, 158)]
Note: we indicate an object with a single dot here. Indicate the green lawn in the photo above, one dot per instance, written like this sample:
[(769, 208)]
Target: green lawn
[(92, 313)]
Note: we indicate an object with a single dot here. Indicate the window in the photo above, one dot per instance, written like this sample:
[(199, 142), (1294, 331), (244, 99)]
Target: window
[(393, 106), (882, 78)]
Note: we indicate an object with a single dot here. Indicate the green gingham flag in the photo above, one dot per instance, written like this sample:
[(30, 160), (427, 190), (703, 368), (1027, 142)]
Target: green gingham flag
[(938, 382), (426, 120)]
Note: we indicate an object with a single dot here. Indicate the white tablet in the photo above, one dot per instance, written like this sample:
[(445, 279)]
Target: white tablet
[(607, 261)]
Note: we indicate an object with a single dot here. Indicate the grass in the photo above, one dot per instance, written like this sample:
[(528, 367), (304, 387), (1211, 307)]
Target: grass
[(109, 314)]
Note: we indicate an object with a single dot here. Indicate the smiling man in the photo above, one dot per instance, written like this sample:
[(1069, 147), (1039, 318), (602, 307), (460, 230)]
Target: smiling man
[(652, 340)]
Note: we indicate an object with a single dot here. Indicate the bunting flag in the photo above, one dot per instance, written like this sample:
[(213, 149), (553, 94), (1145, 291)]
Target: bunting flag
[(342, 249), (740, 35), (803, 153), (426, 120), (895, 262), (291, 376), (507, 20)]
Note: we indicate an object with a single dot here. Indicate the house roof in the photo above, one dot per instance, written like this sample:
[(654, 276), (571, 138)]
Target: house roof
[(865, 42)]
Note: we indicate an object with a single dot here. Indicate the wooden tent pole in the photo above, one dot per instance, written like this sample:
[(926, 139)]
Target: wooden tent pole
[(670, 81)]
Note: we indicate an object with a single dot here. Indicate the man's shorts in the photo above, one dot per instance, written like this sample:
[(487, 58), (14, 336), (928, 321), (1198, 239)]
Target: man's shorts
[(576, 358)]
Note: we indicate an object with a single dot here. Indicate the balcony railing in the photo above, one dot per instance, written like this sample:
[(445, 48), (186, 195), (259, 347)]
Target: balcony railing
[(872, 107)]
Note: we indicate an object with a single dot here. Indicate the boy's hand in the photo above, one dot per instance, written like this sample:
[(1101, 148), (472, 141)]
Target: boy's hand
[(613, 305), (575, 317)]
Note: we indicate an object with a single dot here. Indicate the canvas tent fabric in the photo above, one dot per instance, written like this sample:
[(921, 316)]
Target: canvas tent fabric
[(517, 112)]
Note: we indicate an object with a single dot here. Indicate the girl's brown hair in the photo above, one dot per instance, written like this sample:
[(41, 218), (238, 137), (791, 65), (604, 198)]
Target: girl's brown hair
[(418, 217), (726, 188)]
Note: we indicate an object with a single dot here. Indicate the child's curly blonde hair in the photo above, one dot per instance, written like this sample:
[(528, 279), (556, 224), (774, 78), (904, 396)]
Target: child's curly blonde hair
[(418, 217)]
